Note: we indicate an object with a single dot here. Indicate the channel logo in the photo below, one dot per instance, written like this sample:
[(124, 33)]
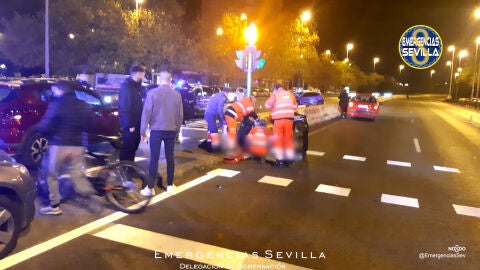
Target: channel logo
[(420, 46)]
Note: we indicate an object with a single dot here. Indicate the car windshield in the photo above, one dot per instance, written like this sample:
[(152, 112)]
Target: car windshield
[(364, 99), (204, 91)]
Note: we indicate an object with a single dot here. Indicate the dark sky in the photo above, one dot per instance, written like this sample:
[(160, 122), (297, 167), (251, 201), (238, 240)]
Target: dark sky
[(374, 26)]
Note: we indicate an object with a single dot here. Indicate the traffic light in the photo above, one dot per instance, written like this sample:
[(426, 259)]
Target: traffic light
[(242, 60), (259, 63)]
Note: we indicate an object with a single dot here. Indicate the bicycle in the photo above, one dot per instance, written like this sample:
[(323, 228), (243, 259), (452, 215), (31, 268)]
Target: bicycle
[(120, 183)]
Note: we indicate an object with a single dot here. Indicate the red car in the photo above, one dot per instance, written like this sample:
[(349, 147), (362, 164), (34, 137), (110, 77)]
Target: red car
[(22, 105), (363, 105)]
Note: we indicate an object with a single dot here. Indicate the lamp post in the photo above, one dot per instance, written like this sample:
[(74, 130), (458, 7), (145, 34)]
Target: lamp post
[(306, 16), (400, 68), (349, 47), (375, 61), (461, 55), (251, 36), (47, 45), (137, 2), (456, 84), (451, 49), (431, 73)]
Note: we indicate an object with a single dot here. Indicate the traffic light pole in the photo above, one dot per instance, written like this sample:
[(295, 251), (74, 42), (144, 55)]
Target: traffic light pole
[(249, 73)]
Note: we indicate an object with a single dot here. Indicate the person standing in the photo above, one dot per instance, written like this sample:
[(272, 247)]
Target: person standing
[(215, 110), (283, 105), (66, 124), (163, 113), (343, 103), (130, 112)]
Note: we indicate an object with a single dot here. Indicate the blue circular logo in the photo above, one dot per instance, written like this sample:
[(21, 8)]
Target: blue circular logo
[(420, 47)]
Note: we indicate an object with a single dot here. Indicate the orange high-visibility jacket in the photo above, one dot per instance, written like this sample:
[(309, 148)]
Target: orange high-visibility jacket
[(283, 104), (243, 107)]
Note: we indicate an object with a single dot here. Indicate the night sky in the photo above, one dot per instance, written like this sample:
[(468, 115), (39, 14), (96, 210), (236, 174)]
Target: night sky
[(374, 26)]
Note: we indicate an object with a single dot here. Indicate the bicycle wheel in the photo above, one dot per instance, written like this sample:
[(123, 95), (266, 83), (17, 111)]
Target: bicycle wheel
[(123, 185)]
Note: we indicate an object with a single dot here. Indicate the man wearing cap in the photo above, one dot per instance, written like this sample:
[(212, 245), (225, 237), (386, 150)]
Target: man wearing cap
[(130, 107), (283, 105), (66, 124)]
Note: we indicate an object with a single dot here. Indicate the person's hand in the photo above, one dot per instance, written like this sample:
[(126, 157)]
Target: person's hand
[(132, 129), (144, 138)]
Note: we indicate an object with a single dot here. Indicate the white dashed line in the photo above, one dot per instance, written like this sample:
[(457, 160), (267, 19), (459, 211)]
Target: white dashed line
[(275, 181), (400, 200), (417, 145), (446, 169), (315, 153), (333, 190), (168, 247), (399, 163), (466, 210), (348, 157)]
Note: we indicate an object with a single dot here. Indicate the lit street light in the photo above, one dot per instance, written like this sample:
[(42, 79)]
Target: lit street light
[(328, 52), (306, 16), (243, 17), (400, 68), (459, 70), (71, 36), (431, 73), (251, 34), (477, 13), (451, 49), (461, 55), (219, 31), (375, 61), (349, 47)]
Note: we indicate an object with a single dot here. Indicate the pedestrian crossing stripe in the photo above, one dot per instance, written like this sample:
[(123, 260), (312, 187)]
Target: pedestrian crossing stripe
[(446, 169), (467, 210), (223, 172), (278, 181), (333, 190), (167, 247), (399, 163), (356, 158), (400, 200), (315, 153)]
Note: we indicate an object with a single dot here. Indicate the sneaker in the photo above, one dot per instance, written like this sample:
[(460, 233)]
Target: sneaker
[(49, 210), (170, 189), (147, 192)]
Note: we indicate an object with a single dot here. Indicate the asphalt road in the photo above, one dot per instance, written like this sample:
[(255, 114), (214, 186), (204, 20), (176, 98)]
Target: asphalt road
[(388, 194)]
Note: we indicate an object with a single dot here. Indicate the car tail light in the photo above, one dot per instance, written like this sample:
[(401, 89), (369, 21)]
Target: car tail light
[(375, 107), (350, 104)]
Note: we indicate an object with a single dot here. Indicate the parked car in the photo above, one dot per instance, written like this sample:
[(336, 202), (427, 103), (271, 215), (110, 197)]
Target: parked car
[(23, 104), (17, 196), (259, 92), (202, 96), (309, 98), (363, 105)]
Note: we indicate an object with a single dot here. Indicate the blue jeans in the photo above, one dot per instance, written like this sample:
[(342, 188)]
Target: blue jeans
[(156, 138)]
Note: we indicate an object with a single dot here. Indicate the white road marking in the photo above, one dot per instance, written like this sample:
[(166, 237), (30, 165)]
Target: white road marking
[(417, 145), (137, 159), (315, 153), (467, 210), (446, 169), (167, 247), (400, 200), (223, 172), (275, 181), (399, 163), (94, 225), (333, 190), (356, 158)]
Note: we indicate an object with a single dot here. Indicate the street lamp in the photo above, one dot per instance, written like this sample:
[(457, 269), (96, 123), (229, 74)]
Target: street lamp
[(243, 17), (459, 70), (475, 67), (219, 31), (71, 36), (349, 47), (306, 16), (328, 52), (137, 2), (431, 73), (400, 68), (375, 61), (451, 48), (461, 55), (477, 13), (251, 36)]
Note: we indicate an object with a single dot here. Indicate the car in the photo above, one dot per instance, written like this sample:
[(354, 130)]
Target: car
[(23, 104), (309, 98), (363, 106), (258, 92), (202, 95), (17, 196)]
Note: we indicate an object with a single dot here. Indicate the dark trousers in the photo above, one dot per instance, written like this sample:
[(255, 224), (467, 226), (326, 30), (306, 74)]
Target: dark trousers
[(130, 142), (156, 138)]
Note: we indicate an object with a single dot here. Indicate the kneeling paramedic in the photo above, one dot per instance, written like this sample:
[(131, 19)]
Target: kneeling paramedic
[(236, 112)]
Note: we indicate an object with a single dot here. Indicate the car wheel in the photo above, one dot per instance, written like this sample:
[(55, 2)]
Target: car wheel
[(9, 225), (33, 150)]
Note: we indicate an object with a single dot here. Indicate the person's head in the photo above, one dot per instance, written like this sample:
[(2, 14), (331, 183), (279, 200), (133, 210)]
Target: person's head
[(165, 78), (137, 73), (62, 87), (277, 87)]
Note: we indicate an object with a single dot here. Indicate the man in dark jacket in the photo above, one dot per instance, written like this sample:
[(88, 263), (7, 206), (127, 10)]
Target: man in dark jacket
[(163, 113), (66, 124), (343, 103), (130, 107)]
